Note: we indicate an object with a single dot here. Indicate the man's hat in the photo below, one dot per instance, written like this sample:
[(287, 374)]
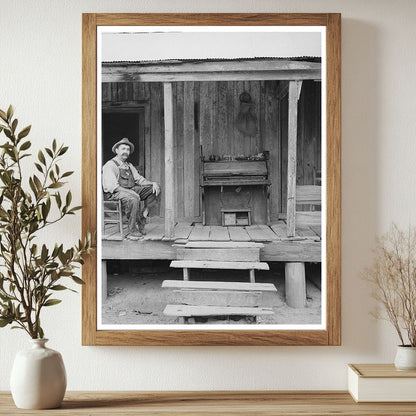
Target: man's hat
[(124, 140)]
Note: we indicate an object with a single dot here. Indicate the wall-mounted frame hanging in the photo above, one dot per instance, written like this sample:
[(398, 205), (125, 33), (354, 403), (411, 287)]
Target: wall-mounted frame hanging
[(211, 171)]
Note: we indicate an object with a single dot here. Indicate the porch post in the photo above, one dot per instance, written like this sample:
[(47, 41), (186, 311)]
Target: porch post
[(169, 168), (294, 93)]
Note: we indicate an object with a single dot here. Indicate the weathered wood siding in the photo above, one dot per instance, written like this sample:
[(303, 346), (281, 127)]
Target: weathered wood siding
[(205, 115), (309, 138)]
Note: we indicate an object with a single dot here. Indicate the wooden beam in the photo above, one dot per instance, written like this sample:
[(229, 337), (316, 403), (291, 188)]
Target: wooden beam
[(169, 165), (304, 250), (199, 66), (138, 250), (213, 76), (231, 70), (294, 93)]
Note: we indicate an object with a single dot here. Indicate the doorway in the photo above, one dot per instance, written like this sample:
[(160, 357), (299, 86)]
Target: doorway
[(124, 122)]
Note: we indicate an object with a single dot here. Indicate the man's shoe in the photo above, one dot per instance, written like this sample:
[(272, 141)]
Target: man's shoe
[(136, 235)]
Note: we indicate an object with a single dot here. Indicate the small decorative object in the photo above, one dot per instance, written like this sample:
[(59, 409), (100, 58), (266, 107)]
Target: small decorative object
[(393, 276), (30, 273), (246, 119), (38, 378), (381, 383)]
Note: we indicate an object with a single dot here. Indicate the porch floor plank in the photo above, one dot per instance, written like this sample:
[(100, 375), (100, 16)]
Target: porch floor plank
[(182, 231), (267, 230), (156, 232), (186, 232), (238, 234), (280, 229), (200, 233), (317, 230), (258, 234), (219, 233), (305, 231)]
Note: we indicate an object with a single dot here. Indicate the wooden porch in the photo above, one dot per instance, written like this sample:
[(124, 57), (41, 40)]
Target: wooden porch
[(304, 246), (186, 124)]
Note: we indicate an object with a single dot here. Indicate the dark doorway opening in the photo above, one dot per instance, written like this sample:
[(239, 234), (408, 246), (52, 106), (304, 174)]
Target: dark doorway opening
[(124, 122)]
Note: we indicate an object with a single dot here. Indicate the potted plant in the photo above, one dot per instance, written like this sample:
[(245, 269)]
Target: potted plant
[(31, 272), (393, 277)]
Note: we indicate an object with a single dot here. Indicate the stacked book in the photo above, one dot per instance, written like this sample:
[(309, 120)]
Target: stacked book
[(381, 383)]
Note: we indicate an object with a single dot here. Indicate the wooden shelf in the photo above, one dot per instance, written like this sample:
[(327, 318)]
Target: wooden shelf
[(212, 403)]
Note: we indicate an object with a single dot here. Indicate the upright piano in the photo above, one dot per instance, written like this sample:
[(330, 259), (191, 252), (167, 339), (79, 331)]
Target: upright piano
[(235, 189)]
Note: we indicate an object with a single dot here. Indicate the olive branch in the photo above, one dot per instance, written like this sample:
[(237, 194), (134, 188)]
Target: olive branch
[(30, 274)]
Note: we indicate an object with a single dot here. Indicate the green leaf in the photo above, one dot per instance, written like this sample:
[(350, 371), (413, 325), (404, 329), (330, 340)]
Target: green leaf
[(77, 208), (10, 112), (54, 145), (58, 199), (39, 167), (51, 302), (59, 287), (40, 332), (14, 125), (49, 151), (63, 150), (25, 145), (37, 182), (76, 279), (56, 185), (3, 115), (33, 187), (68, 198), (45, 211), (41, 157), (67, 174), (8, 133), (24, 132), (34, 249), (5, 321), (44, 253)]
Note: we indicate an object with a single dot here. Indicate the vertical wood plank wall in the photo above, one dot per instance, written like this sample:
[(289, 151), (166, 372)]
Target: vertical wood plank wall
[(204, 116)]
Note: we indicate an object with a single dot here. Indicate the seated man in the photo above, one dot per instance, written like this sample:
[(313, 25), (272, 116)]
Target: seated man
[(121, 181)]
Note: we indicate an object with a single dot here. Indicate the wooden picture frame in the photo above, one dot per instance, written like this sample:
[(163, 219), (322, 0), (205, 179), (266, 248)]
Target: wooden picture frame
[(331, 334)]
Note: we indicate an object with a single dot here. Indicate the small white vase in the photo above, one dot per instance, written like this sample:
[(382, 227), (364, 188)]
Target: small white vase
[(38, 377), (405, 358)]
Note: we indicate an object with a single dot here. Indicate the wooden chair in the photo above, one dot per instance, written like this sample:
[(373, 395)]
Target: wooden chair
[(112, 214)]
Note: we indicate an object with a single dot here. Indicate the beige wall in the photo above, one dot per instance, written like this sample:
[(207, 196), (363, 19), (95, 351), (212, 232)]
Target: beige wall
[(40, 73)]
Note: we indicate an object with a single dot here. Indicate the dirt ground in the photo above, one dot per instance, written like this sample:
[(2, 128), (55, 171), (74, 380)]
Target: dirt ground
[(136, 296)]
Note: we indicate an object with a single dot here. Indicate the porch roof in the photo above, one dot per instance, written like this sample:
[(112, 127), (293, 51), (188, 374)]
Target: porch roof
[(241, 69)]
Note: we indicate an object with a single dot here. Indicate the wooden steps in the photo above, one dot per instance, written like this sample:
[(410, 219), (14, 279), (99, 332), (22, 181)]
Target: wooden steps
[(187, 284), (226, 265), (207, 299), (187, 311)]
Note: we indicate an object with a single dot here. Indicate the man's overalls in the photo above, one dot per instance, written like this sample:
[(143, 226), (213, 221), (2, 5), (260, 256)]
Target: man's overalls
[(131, 199)]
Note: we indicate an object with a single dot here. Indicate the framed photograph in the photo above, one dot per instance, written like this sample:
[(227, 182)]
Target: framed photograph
[(211, 172)]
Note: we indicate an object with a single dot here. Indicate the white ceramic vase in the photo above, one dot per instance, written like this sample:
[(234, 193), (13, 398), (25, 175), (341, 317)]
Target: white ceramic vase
[(38, 378), (405, 358)]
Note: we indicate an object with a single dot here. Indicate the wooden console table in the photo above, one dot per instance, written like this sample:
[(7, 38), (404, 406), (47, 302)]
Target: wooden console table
[(211, 403)]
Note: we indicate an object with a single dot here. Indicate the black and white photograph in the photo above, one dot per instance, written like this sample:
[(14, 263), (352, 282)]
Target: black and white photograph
[(211, 177)]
